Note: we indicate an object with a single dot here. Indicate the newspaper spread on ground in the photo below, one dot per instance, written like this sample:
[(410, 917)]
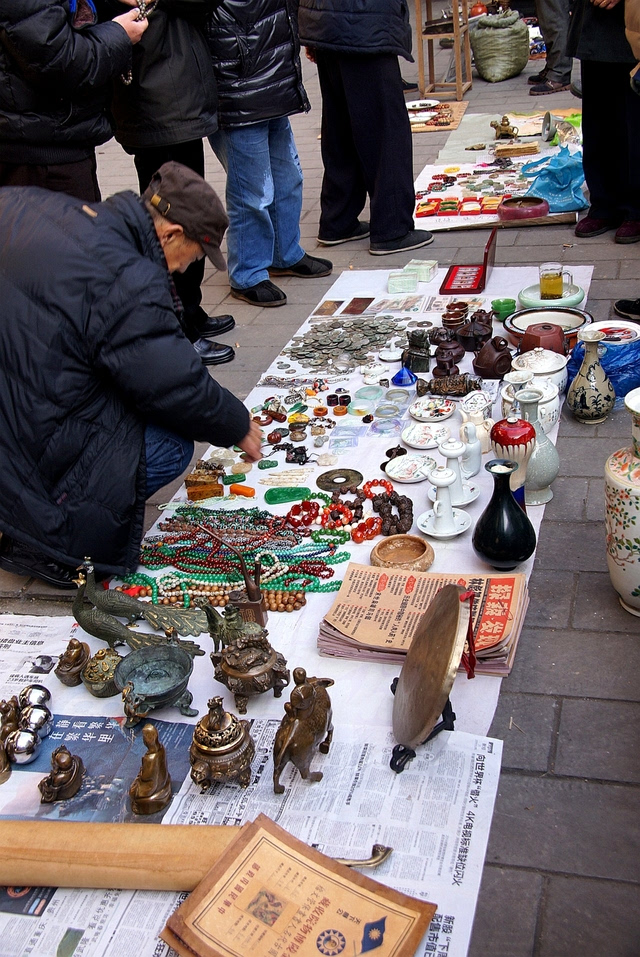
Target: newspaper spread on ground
[(436, 815)]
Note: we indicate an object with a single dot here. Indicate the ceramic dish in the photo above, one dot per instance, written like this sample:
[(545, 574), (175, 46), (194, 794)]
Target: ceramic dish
[(470, 493), (403, 551), (569, 319), (618, 332), (474, 402), (429, 409), (409, 468), (419, 435), (461, 520), (530, 297), (390, 355)]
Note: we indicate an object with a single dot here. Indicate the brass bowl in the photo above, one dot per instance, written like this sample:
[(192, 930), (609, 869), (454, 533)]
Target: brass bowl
[(403, 551)]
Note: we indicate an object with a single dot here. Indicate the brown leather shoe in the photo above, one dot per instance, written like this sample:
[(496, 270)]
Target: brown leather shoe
[(548, 86)]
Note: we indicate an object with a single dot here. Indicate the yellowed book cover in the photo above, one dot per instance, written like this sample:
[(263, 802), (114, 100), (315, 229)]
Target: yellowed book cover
[(270, 895)]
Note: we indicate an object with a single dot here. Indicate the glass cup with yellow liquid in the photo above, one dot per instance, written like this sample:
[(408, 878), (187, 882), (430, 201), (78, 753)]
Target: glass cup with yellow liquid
[(552, 281)]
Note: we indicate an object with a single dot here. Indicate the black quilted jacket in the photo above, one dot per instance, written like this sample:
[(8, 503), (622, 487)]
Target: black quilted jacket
[(54, 79), (90, 351), (356, 26), (256, 58)]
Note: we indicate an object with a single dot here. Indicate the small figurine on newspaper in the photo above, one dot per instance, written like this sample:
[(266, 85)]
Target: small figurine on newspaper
[(305, 727)]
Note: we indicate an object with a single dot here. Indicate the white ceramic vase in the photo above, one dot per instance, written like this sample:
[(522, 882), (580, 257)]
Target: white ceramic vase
[(544, 463), (622, 514)]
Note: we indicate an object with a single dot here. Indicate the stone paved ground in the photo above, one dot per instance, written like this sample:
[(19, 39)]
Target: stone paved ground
[(562, 871)]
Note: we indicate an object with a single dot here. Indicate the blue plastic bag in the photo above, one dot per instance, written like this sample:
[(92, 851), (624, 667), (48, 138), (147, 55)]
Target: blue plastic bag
[(558, 179)]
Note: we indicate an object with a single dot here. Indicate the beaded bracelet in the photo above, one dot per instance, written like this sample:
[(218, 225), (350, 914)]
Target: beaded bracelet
[(368, 487), (330, 536)]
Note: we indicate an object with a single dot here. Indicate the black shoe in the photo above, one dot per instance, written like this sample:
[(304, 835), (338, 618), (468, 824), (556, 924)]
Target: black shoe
[(199, 325), (414, 239), (360, 232), (309, 267), (628, 309), (576, 89), (213, 353), (264, 293), (538, 77), (24, 560), (408, 86)]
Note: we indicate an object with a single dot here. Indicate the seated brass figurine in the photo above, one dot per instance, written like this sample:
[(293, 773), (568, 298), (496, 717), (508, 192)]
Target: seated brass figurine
[(222, 748), (9, 716), (305, 727), (71, 663), (65, 778), (503, 128), (5, 764), (151, 790)]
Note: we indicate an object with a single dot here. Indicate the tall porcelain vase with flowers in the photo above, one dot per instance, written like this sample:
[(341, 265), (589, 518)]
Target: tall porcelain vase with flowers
[(622, 514)]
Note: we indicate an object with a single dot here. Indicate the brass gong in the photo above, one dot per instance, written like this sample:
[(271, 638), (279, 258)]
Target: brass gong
[(430, 667)]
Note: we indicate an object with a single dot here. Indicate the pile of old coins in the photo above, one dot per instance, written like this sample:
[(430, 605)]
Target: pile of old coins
[(338, 344)]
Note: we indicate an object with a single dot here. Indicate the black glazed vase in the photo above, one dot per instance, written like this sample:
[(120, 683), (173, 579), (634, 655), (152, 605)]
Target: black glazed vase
[(503, 536)]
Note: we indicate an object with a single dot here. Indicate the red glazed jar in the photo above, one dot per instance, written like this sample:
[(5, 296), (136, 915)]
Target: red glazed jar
[(514, 439)]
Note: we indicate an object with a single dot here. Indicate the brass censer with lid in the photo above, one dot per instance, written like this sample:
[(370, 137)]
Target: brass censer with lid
[(222, 748)]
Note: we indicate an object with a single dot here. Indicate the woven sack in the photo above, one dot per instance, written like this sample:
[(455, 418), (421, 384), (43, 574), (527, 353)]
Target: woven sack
[(500, 46)]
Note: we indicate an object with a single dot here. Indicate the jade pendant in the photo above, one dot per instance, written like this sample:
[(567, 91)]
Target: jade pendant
[(287, 493)]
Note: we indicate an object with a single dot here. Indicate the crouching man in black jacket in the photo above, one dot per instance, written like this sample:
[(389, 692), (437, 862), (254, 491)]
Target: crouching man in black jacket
[(101, 394)]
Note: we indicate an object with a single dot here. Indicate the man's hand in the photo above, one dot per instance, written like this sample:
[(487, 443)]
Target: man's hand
[(605, 4), (133, 27), (251, 443)]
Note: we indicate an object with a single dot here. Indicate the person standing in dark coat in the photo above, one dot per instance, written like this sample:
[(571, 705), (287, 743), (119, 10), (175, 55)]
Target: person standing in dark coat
[(56, 62), (256, 59), (610, 120), (162, 113), (101, 395), (366, 134)]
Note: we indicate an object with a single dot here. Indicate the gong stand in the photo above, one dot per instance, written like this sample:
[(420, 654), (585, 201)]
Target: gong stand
[(439, 647)]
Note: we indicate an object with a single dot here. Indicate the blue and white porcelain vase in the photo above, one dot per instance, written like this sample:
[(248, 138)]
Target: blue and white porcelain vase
[(591, 395)]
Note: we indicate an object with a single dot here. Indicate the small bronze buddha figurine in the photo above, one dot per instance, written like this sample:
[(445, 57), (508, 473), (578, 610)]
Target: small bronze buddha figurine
[(9, 716), (65, 778), (71, 663), (151, 790)]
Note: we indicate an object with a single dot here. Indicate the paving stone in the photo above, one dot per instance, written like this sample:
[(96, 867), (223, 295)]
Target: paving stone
[(594, 511), (599, 739), (551, 595), (579, 458), (505, 919), (569, 500), (567, 826), (590, 917), (578, 544), (569, 425), (11, 586), (576, 663), (617, 427), (525, 723), (597, 606)]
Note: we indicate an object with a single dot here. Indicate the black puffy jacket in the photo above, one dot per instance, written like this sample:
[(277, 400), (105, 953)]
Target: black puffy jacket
[(172, 97), (90, 351), (256, 59), (54, 80), (356, 26)]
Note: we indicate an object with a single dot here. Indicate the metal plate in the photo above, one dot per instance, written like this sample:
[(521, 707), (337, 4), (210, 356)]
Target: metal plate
[(430, 667)]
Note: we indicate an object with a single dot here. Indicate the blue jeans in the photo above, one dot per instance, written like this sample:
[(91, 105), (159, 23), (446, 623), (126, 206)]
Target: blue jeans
[(263, 197), (167, 457)]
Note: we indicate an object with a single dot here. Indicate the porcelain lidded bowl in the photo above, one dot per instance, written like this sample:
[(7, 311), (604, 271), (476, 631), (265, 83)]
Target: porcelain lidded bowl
[(545, 365), (548, 406)]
